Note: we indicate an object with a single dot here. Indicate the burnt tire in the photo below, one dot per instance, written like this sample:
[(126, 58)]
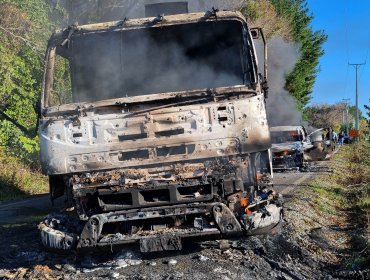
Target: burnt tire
[(57, 240), (59, 232)]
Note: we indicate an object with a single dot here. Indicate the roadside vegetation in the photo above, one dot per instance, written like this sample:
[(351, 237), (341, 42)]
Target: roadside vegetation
[(25, 26), (335, 211), (352, 194), (17, 180)]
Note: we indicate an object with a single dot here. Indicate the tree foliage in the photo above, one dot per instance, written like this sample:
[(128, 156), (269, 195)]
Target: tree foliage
[(367, 108), (301, 80), (25, 26), (263, 14), (291, 20), (331, 115)]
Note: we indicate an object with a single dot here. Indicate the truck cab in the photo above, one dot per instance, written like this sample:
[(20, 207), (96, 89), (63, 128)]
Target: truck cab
[(154, 130)]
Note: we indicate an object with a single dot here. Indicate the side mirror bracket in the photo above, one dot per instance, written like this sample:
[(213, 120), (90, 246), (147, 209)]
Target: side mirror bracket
[(257, 33)]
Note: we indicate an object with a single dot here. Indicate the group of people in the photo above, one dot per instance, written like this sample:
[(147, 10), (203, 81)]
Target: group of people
[(336, 138)]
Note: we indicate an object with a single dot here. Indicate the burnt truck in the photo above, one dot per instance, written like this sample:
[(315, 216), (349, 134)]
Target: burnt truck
[(154, 130)]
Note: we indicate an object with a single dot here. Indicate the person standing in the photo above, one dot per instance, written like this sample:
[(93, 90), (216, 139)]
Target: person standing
[(334, 139), (340, 137)]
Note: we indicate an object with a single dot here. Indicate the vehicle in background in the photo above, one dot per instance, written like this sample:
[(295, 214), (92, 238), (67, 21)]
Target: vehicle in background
[(320, 150), (289, 146), (155, 130)]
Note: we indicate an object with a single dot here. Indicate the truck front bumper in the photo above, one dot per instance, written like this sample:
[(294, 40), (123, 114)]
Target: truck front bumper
[(209, 221)]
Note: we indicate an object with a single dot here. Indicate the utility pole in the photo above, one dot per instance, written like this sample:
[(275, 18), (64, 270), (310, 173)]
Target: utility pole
[(345, 118), (356, 66)]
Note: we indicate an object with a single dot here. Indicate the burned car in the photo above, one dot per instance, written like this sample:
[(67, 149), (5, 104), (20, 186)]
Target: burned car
[(290, 144), (154, 130)]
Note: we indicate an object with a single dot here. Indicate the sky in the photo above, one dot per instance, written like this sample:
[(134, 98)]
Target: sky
[(347, 24)]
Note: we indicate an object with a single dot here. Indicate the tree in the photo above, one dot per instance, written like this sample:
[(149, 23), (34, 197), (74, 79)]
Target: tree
[(367, 108), (325, 115), (291, 20), (18, 90), (300, 81), (263, 14), (25, 26)]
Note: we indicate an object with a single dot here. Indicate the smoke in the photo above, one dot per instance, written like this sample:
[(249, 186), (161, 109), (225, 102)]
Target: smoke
[(183, 61), (281, 106), (170, 59)]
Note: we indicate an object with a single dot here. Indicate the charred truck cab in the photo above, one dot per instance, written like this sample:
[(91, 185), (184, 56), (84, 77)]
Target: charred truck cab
[(155, 130)]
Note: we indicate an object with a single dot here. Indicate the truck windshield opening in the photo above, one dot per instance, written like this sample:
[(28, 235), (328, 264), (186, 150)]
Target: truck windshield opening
[(114, 64)]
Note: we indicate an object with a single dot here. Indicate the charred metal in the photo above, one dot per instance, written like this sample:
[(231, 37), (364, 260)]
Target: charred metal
[(292, 147), (157, 143)]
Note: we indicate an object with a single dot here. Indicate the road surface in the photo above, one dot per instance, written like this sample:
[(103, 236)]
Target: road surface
[(27, 210)]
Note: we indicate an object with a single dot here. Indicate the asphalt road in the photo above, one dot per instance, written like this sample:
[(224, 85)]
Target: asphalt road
[(285, 183), (28, 210)]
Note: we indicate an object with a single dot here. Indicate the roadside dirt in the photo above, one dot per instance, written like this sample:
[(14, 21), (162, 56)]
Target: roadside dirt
[(309, 246)]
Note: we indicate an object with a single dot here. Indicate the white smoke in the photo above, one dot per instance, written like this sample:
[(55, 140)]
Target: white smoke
[(281, 106), (158, 60)]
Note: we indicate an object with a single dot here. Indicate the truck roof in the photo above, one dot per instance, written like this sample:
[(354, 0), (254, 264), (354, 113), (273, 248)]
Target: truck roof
[(153, 21)]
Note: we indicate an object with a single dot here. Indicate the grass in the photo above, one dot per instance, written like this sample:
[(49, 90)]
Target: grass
[(359, 262), (17, 180), (350, 181), (7, 226), (347, 190), (330, 196), (356, 178)]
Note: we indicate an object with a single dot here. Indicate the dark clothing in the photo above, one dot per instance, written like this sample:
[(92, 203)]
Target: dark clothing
[(340, 138)]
